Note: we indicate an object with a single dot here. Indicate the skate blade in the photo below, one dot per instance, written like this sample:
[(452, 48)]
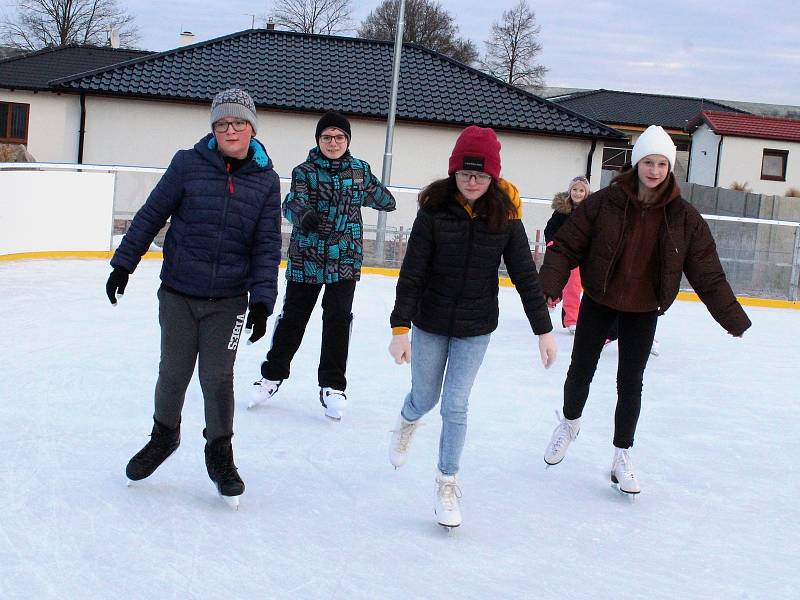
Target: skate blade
[(631, 496), (129, 482), (336, 417), (231, 501)]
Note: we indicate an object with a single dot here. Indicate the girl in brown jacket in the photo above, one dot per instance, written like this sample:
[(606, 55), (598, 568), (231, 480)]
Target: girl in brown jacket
[(632, 240)]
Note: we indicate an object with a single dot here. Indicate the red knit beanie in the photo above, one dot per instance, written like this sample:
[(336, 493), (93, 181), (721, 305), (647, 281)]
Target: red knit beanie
[(476, 149)]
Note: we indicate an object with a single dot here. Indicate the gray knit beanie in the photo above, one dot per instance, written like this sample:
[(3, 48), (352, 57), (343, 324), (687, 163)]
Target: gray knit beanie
[(234, 103)]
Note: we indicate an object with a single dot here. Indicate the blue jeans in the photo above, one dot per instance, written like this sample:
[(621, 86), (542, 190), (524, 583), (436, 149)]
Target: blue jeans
[(431, 355)]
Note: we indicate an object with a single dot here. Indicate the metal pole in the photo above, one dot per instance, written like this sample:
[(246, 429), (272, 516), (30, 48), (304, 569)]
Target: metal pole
[(386, 173)]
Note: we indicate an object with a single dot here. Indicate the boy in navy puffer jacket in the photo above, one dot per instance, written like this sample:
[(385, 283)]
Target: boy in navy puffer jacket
[(224, 241), (324, 206)]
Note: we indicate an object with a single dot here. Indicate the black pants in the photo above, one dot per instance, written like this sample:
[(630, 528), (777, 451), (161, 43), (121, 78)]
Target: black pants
[(206, 333), (337, 317), (636, 332)]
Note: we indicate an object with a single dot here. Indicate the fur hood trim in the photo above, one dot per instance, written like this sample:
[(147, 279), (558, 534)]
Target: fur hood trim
[(562, 203)]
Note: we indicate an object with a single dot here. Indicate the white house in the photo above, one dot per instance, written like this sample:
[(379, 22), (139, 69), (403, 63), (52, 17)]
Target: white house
[(761, 152), (45, 120), (140, 112)]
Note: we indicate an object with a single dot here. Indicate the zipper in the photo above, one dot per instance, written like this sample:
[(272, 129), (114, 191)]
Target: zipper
[(619, 243), (463, 276), (222, 225)]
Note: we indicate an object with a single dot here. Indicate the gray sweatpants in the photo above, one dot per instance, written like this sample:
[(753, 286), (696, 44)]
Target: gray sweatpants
[(210, 330)]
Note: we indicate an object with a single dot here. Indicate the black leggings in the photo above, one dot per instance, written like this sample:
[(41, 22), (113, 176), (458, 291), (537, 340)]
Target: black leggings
[(636, 333)]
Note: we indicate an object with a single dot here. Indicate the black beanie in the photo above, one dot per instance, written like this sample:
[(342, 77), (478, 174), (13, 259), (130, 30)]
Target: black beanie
[(333, 119)]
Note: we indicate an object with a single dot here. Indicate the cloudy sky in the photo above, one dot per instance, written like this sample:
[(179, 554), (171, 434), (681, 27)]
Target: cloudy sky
[(728, 49)]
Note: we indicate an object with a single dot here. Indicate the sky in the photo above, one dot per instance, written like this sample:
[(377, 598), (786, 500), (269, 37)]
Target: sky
[(724, 49)]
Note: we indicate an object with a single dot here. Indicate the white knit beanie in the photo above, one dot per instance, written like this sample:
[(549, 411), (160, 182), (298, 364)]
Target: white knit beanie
[(654, 140)]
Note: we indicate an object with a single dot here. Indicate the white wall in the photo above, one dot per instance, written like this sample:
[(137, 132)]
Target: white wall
[(703, 158), (147, 133), (44, 211), (53, 123), (741, 162)]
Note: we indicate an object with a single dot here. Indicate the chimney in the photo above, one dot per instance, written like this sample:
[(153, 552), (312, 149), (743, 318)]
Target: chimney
[(185, 38), (115, 41), (270, 25)]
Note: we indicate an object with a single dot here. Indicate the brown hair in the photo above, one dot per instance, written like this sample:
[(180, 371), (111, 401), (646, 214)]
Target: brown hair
[(628, 180), (495, 207)]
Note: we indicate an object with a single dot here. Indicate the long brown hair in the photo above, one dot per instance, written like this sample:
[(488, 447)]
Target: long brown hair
[(495, 206), (628, 180)]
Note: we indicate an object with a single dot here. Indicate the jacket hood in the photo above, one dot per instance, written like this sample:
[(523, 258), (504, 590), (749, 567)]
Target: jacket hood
[(207, 147), (316, 156), (673, 191), (562, 203), (513, 193)]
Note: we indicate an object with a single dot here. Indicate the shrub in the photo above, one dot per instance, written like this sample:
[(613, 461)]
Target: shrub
[(740, 187)]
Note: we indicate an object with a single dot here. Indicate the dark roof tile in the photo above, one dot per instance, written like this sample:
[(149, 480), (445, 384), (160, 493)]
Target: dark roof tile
[(631, 108), (34, 71), (313, 72)]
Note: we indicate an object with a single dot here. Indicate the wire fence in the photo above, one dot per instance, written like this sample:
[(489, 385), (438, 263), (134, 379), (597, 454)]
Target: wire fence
[(761, 256)]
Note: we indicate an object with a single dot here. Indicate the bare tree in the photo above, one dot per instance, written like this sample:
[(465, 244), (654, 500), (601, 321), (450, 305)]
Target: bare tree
[(313, 16), (41, 23), (513, 46), (426, 24)]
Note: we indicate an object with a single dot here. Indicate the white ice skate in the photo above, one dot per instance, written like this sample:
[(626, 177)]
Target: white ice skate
[(231, 501), (571, 329), (447, 510), (655, 349), (263, 390), (334, 402), (402, 434), (622, 475), (563, 435)]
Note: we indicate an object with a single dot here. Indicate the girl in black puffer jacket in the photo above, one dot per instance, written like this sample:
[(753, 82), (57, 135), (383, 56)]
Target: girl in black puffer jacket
[(448, 290)]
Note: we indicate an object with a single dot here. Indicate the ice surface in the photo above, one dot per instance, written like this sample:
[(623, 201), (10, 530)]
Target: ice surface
[(326, 516)]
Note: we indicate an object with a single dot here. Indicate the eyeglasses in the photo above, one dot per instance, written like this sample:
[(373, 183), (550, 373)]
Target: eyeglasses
[(465, 176), (238, 125), (326, 139)]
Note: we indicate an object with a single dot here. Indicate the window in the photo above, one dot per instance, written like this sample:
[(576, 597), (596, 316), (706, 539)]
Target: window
[(14, 122), (614, 158), (773, 164)]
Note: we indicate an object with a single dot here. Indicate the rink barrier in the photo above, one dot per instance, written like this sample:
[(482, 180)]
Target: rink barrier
[(385, 271)]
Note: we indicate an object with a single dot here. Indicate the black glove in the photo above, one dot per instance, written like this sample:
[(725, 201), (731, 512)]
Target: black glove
[(257, 321), (309, 221), (116, 284)]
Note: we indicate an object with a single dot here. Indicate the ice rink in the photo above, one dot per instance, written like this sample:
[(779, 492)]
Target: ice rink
[(325, 516)]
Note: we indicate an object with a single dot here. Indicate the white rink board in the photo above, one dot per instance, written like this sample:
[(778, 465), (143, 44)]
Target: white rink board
[(55, 211)]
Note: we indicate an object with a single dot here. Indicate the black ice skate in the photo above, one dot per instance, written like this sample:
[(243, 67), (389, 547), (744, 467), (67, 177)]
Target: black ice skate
[(222, 471), (163, 442)]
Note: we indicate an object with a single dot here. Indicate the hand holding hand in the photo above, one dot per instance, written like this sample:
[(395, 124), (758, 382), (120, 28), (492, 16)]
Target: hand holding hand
[(547, 349), (552, 302), (400, 348), (116, 284), (257, 321)]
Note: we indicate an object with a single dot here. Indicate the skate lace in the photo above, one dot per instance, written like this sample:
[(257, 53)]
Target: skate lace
[(623, 466), (406, 431), (562, 434), (448, 492)]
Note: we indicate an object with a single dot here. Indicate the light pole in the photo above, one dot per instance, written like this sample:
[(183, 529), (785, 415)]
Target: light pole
[(386, 173)]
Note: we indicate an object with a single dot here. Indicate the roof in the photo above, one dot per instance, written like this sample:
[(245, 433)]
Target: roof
[(633, 108), (768, 128), (297, 71), (34, 71)]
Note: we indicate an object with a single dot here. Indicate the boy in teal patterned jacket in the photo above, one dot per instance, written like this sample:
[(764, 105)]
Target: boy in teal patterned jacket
[(326, 249)]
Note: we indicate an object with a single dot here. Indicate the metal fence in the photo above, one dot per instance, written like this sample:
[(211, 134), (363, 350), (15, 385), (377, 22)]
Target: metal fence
[(758, 237)]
